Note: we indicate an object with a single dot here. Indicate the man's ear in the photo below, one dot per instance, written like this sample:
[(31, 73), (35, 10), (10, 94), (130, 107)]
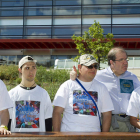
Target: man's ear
[(111, 62), (19, 69)]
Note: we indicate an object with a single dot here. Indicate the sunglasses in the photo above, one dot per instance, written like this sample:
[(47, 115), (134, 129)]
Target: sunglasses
[(96, 66)]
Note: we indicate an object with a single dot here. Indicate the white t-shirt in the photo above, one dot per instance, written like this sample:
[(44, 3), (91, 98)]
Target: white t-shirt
[(5, 101), (134, 103), (119, 88), (80, 113), (31, 108)]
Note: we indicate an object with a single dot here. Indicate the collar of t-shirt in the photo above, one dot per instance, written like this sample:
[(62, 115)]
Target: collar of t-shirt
[(87, 85)]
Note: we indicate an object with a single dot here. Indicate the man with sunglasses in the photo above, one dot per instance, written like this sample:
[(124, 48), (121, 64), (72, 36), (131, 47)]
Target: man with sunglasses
[(120, 84), (79, 108)]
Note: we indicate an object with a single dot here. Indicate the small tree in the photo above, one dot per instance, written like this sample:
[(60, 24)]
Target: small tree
[(94, 42)]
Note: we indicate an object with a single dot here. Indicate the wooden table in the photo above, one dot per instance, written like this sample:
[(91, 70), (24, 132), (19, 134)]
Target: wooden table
[(72, 136)]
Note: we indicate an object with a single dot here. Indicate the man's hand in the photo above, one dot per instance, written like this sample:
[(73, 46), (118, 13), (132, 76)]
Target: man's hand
[(4, 116), (73, 73), (4, 131)]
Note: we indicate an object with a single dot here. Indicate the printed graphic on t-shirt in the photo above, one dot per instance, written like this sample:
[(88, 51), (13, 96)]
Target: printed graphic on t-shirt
[(126, 86), (82, 103), (27, 114)]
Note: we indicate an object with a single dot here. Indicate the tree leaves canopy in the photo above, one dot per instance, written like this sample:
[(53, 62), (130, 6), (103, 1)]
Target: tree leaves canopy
[(94, 42)]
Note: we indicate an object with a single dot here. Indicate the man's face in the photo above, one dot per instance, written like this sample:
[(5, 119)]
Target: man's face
[(120, 65), (29, 71), (87, 73)]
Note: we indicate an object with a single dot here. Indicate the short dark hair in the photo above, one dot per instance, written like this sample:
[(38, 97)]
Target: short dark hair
[(112, 53)]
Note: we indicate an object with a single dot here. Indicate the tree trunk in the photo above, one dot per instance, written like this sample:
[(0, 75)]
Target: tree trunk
[(99, 62)]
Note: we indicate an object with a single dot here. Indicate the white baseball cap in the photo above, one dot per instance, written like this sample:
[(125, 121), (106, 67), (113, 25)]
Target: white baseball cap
[(26, 59), (87, 60)]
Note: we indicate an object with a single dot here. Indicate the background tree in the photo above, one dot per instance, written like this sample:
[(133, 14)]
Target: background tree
[(94, 42)]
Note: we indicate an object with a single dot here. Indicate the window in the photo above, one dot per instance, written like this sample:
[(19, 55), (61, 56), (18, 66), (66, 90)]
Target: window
[(67, 2), (119, 9), (12, 3), (89, 2), (11, 30), (38, 30), (38, 2), (63, 10), (102, 10), (11, 12), (66, 30), (38, 11)]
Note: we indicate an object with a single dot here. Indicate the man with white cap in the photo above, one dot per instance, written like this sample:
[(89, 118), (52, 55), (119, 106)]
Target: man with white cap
[(32, 111), (5, 103), (78, 107)]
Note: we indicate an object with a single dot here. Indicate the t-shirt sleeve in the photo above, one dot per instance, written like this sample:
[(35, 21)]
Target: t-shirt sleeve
[(48, 107), (133, 106), (61, 96), (107, 104), (5, 101)]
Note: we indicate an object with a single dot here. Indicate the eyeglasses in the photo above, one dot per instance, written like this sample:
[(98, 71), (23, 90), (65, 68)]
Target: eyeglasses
[(122, 60), (96, 66)]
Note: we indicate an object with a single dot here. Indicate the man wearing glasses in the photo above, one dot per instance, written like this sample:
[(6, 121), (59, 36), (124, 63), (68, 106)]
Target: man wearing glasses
[(120, 84), (78, 108)]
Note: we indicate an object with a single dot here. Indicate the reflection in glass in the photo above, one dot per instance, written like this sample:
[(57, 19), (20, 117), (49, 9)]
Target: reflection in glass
[(40, 20), (67, 2), (12, 12), (3, 60), (61, 10), (126, 29), (102, 19), (96, 2), (38, 2), (96, 10), (33, 30), (67, 20), (126, 9), (125, 1), (12, 2), (66, 30), (11, 31), (12, 60), (126, 19), (38, 11), (11, 21)]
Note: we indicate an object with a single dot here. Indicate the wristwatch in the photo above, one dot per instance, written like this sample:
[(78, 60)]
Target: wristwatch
[(4, 126)]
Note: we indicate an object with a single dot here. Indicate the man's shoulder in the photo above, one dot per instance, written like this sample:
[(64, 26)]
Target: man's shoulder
[(14, 90), (130, 73), (98, 83), (68, 82), (41, 90), (106, 70)]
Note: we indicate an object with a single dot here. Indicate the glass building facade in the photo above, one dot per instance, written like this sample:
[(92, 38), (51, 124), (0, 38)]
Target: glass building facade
[(24, 19), (60, 19)]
